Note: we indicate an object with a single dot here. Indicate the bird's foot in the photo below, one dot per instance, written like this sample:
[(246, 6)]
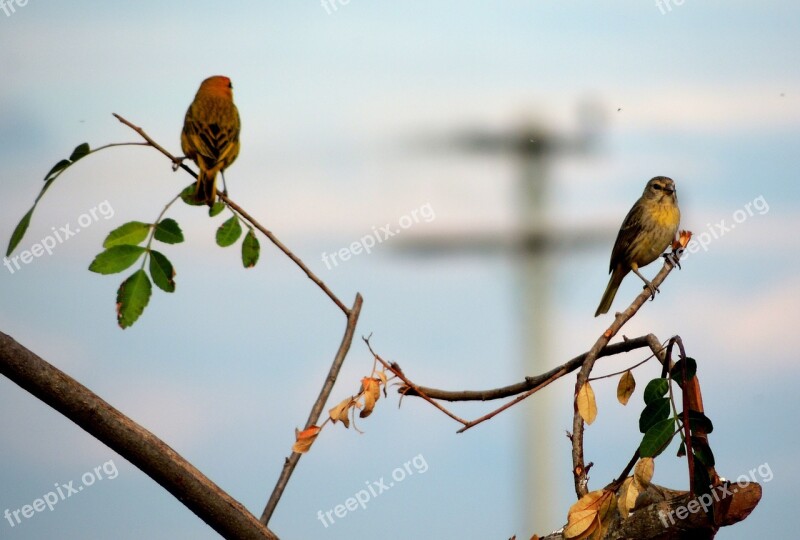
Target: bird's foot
[(673, 260), (177, 162), (653, 290)]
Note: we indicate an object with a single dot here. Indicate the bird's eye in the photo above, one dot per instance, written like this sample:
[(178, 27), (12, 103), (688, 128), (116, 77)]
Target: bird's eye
[(658, 187)]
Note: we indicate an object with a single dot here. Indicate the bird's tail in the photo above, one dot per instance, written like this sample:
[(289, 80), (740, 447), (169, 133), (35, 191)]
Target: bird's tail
[(611, 291), (206, 188)]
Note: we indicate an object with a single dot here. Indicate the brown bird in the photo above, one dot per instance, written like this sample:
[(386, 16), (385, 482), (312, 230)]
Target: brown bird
[(210, 135), (647, 230)]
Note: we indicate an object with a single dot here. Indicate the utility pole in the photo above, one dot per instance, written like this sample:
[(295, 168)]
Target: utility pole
[(536, 239)]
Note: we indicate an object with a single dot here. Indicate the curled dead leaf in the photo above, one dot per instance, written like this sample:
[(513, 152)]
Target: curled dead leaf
[(304, 439), (384, 380), (372, 391), (341, 412)]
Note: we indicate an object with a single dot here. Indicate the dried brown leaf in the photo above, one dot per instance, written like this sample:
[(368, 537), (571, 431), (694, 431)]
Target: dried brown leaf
[(626, 386), (372, 391), (587, 406), (643, 472), (583, 518), (626, 496), (341, 412), (305, 439)]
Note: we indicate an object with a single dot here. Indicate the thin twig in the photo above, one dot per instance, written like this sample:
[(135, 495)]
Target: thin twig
[(511, 403), (578, 467), (291, 462), (521, 390), (280, 245), (614, 486), (631, 368), (400, 375)]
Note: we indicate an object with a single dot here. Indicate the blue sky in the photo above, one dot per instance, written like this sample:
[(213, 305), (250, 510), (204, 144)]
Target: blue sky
[(334, 106)]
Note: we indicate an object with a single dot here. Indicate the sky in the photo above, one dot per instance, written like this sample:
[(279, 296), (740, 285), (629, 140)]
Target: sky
[(349, 112)]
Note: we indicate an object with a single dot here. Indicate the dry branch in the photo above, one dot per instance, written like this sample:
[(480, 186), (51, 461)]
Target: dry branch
[(291, 462)]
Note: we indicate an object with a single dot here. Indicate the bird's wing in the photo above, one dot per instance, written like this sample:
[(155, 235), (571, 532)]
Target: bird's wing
[(630, 229), (214, 142)]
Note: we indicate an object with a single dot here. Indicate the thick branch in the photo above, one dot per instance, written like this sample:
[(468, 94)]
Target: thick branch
[(143, 449), (291, 462), (665, 514)]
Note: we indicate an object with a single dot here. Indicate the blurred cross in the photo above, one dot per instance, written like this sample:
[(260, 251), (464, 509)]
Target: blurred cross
[(533, 244)]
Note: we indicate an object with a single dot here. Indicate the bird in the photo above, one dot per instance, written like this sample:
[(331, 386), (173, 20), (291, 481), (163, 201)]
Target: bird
[(647, 230), (210, 135)]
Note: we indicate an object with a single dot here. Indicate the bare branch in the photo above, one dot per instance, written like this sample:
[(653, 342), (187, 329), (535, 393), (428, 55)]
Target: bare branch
[(291, 462), (530, 383), (578, 466), (394, 368), (280, 245)]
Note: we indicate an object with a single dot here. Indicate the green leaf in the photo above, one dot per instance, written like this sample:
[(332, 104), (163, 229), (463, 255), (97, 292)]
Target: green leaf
[(80, 151), (162, 272), (657, 438), (655, 412), (57, 168), (188, 196), (655, 389), (251, 249), (131, 233), (677, 370), (229, 232), (169, 232), (132, 297), (116, 259), (19, 231), (216, 209)]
